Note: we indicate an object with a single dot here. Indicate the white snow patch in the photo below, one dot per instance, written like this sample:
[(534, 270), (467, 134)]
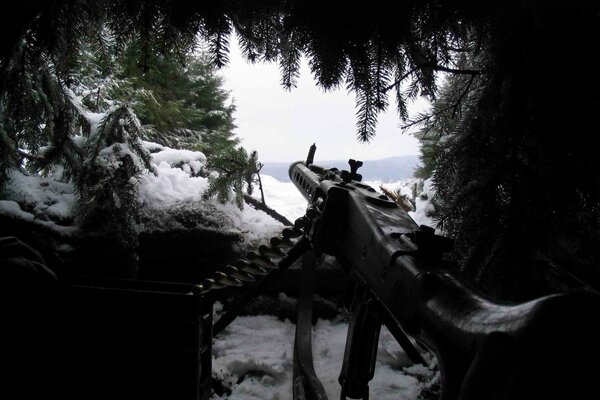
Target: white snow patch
[(43, 198), (424, 207), (329, 340), (173, 156), (94, 119), (79, 141), (255, 225), (260, 349), (39, 200), (12, 208), (170, 186), (283, 197)]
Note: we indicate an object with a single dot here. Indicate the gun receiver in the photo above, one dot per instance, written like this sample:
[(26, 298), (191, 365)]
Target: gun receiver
[(485, 349)]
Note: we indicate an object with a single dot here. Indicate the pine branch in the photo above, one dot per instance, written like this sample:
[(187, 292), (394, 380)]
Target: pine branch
[(219, 31), (260, 186), (423, 118), (458, 101), (455, 106), (270, 32), (380, 77), (248, 41), (366, 116), (290, 62), (472, 72), (402, 78)]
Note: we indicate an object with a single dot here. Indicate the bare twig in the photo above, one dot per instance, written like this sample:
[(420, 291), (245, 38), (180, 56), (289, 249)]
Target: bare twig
[(274, 214), (403, 77), (260, 186), (455, 106)]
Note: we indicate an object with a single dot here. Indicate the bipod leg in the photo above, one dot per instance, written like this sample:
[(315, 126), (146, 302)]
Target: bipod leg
[(306, 384), (403, 340), (360, 354)]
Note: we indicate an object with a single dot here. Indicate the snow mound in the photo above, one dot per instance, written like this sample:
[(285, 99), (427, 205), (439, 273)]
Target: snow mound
[(44, 198), (177, 184), (43, 201)]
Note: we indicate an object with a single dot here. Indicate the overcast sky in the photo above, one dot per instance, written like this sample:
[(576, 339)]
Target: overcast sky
[(281, 125)]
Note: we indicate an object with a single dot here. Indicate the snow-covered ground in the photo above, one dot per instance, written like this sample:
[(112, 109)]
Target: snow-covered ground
[(254, 357)]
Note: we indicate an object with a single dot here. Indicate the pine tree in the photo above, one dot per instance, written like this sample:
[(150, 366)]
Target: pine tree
[(180, 101)]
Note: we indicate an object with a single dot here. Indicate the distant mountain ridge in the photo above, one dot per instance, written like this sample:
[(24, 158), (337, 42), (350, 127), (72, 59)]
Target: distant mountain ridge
[(389, 169)]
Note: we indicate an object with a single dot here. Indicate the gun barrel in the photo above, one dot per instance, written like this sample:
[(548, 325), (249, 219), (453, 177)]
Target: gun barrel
[(305, 179)]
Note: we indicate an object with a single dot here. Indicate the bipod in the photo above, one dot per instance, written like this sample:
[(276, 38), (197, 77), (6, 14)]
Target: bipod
[(306, 384)]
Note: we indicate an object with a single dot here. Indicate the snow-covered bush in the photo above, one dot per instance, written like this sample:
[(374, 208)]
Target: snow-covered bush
[(108, 181)]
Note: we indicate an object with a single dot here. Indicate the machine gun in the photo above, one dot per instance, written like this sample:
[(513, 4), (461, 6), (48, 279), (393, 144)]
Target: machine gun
[(401, 278), (485, 349)]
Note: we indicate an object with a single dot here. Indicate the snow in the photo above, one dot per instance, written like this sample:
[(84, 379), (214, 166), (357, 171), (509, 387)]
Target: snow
[(170, 186), (94, 119), (12, 208), (424, 207), (423, 215), (52, 203), (173, 156), (78, 141), (254, 357), (260, 345), (254, 225), (175, 180), (282, 197), (37, 199), (329, 339), (41, 196)]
